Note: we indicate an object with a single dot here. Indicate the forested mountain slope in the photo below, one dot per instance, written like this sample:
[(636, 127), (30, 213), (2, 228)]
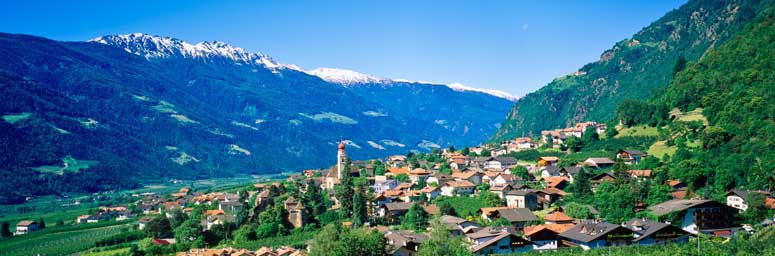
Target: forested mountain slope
[(633, 69), (121, 110)]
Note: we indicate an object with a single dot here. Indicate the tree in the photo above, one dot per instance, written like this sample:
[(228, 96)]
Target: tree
[(188, 232), (360, 205), (176, 218), (313, 199), (41, 223), (402, 177), (441, 242), (134, 250), (344, 192), (466, 151), (521, 172), (150, 248), (581, 186), (490, 199), (756, 211), (158, 227), (621, 175), (577, 211), (659, 193), (326, 241), (680, 64), (361, 242), (446, 208), (5, 230), (245, 233), (337, 241), (501, 222), (415, 218), (615, 203)]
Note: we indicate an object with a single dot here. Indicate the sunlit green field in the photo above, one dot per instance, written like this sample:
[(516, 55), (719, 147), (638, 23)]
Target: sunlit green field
[(57, 243)]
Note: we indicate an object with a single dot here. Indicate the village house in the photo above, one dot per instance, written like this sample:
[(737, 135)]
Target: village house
[(417, 174), (558, 217), (700, 216), (458, 226), (506, 179), (297, 213), (599, 162), (649, 232), (500, 189), (26, 226), (490, 214), (600, 178), (546, 236), (382, 183), (518, 217), (458, 188), (431, 192), (404, 243), (630, 156), (640, 175), (396, 160), (595, 234), (498, 240), (473, 175), (522, 198), (220, 219), (143, 221), (553, 138), (737, 198), (558, 182), (548, 161), (438, 178), (548, 196)]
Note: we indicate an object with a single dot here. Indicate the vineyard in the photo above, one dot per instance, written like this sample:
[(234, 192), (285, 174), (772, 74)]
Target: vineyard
[(58, 243)]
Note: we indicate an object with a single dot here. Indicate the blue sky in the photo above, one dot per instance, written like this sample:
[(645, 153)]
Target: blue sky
[(514, 46)]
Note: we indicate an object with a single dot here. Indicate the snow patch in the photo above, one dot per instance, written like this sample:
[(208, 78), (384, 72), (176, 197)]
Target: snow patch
[(243, 125), (374, 113), (500, 94), (330, 116), (236, 149), (375, 145), (392, 143), (345, 77)]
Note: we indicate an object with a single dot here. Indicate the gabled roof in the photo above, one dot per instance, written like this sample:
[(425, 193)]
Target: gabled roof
[(640, 173), (497, 234), (460, 184), (398, 206), (647, 227), (600, 160), (631, 152), (680, 205), (509, 177), (557, 216), (556, 228), (553, 191), (398, 170), (26, 223), (429, 189), (555, 181), (500, 187), (490, 210), (517, 214), (590, 230), (549, 158)]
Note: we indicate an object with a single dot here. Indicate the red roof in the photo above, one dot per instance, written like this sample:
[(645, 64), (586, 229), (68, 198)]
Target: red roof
[(160, 242), (557, 216)]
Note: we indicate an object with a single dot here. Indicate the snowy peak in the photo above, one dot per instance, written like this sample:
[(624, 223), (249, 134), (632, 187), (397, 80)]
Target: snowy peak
[(501, 94), (151, 46), (345, 77)]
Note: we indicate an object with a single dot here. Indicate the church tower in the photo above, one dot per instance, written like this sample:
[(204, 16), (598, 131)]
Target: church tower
[(341, 159)]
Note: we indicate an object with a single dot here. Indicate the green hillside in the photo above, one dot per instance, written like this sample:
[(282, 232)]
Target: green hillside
[(633, 69)]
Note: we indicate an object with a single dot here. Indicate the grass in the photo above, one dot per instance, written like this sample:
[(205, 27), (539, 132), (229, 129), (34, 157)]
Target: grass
[(298, 240), (640, 130), (57, 243), (69, 164), (111, 252), (15, 118), (694, 115), (660, 148), (464, 205)]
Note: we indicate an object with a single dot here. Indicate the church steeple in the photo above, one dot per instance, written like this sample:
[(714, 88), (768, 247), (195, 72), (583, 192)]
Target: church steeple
[(341, 159)]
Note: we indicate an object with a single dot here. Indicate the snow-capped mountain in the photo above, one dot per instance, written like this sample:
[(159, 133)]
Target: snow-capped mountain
[(151, 46), (345, 77)]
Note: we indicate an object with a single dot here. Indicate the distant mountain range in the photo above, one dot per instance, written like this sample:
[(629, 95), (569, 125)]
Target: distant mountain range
[(635, 68), (123, 109)]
